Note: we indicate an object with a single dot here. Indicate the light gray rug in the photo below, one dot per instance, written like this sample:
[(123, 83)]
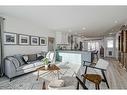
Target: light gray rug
[(28, 81)]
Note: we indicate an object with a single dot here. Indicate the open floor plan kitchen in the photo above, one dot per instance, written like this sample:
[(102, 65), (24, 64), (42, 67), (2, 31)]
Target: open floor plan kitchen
[(63, 47)]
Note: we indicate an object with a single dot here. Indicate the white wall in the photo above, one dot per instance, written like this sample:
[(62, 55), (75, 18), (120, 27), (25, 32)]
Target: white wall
[(20, 26), (116, 45), (112, 37)]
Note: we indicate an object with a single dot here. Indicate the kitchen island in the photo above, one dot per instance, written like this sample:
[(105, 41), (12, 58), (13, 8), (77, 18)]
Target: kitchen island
[(75, 57)]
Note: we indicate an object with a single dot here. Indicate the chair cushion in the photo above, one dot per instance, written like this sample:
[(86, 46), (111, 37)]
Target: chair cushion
[(95, 78), (27, 66), (20, 59), (102, 64)]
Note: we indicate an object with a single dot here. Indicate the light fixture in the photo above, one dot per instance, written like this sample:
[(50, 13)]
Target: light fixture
[(69, 30), (110, 33), (83, 28), (115, 21)]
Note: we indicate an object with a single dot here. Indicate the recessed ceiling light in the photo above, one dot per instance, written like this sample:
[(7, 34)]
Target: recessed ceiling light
[(69, 30), (76, 33), (110, 33), (83, 28), (116, 21)]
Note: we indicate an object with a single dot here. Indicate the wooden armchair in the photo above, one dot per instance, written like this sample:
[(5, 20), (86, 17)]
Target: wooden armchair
[(100, 65)]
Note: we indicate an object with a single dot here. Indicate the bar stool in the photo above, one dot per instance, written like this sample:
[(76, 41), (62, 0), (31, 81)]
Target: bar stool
[(95, 78)]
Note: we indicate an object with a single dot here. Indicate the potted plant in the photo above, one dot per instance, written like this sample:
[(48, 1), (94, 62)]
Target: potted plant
[(45, 62)]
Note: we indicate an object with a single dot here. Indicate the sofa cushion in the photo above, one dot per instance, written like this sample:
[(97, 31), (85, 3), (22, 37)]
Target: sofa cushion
[(32, 57), (40, 57), (20, 59), (37, 63), (102, 64), (14, 61), (26, 66)]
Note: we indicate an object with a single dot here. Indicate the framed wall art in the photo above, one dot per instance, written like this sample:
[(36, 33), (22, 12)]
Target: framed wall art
[(34, 40), (10, 38), (43, 40), (24, 39)]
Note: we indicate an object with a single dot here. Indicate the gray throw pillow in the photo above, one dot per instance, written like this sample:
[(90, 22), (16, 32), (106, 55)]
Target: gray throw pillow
[(40, 57), (20, 59), (32, 57)]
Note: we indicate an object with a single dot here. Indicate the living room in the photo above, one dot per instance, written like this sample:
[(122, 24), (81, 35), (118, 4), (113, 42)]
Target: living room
[(77, 42)]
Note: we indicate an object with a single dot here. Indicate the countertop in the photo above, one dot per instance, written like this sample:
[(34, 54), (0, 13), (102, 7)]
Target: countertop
[(73, 51)]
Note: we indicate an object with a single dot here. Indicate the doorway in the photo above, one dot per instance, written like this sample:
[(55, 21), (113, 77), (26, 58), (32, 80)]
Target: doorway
[(109, 47), (51, 44)]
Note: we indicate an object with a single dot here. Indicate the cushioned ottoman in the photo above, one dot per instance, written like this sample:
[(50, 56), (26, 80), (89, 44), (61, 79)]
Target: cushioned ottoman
[(54, 84)]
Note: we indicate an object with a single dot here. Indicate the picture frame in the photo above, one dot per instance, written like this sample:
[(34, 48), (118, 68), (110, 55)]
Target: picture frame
[(10, 38), (24, 39), (34, 40), (43, 41)]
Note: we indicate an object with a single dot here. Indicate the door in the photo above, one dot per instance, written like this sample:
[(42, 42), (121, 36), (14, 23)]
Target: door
[(51, 44), (110, 47)]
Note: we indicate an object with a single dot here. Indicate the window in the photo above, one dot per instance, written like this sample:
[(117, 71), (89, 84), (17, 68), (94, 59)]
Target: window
[(93, 45), (109, 43)]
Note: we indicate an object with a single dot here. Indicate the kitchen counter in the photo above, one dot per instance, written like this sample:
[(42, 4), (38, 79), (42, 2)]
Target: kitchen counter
[(73, 51), (75, 57)]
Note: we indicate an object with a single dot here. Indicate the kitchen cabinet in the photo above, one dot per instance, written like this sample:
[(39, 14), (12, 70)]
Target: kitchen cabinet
[(61, 38), (122, 42)]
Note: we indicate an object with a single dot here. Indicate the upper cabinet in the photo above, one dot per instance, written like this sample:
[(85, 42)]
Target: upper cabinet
[(62, 38)]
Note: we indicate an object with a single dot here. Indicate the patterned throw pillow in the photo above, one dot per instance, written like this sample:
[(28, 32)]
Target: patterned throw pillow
[(32, 57), (25, 57)]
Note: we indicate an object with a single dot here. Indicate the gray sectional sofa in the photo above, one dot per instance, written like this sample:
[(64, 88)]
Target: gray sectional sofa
[(16, 65)]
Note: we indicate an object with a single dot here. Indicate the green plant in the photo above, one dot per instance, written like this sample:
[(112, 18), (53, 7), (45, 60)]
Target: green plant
[(45, 61)]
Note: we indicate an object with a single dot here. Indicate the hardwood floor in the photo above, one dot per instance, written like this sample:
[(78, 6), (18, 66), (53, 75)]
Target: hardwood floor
[(116, 75)]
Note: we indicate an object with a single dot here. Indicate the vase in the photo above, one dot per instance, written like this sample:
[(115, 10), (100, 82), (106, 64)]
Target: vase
[(46, 67)]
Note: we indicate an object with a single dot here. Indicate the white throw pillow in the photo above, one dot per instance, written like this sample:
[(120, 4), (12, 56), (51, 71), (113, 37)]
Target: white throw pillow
[(25, 57), (50, 56)]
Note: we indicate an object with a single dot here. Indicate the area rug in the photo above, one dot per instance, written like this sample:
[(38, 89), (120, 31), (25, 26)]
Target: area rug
[(28, 81)]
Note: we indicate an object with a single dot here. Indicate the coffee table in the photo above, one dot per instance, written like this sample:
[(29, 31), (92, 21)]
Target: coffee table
[(52, 68)]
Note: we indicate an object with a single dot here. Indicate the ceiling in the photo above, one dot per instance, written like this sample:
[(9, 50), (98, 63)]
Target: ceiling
[(86, 20)]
